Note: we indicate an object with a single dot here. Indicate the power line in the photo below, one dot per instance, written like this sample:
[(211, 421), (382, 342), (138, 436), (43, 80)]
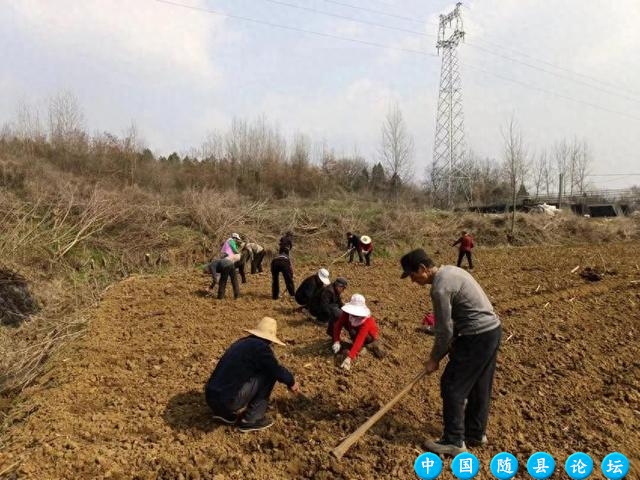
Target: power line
[(613, 175), (351, 19), (550, 92), (294, 29), (377, 12), (610, 92), (559, 67), (388, 47)]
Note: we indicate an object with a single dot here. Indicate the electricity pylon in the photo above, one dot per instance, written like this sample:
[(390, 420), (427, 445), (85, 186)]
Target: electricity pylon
[(448, 177)]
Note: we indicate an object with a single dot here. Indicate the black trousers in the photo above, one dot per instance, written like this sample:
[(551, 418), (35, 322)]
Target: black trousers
[(367, 258), (283, 268), (353, 252), (461, 255), (225, 274), (331, 316), (256, 263), (469, 375), (254, 395)]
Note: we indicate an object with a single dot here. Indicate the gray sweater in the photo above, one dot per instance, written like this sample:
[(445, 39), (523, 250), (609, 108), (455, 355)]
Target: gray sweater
[(461, 307)]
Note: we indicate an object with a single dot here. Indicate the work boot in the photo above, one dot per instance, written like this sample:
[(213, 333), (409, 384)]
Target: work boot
[(260, 424), (375, 348), (475, 443), (445, 447)]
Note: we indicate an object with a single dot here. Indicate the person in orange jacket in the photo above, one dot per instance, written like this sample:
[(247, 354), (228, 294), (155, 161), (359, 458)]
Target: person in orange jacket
[(356, 319)]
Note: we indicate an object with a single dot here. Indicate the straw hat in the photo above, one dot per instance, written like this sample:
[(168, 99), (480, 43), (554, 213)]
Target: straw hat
[(365, 240), (266, 329), (357, 306), (323, 275)]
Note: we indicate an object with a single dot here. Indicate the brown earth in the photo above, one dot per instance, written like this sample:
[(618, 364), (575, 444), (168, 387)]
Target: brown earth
[(126, 401)]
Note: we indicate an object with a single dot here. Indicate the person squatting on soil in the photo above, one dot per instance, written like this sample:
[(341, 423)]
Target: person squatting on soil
[(326, 307), (354, 245), (312, 286), (256, 255), (469, 330), (367, 249), (221, 269), (244, 378), (281, 264), (230, 247), (466, 245), (362, 328), (286, 241)]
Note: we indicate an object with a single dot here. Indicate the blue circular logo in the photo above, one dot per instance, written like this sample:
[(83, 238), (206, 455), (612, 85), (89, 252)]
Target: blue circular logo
[(428, 466), (465, 465), (504, 466), (541, 465), (615, 465), (579, 466)]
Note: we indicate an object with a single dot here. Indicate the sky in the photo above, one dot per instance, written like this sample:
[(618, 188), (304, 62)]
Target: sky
[(561, 69)]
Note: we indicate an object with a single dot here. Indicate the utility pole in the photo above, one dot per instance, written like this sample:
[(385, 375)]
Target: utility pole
[(448, 175)]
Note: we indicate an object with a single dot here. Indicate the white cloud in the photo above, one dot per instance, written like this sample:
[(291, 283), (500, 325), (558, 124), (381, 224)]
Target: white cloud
[(145, 37)]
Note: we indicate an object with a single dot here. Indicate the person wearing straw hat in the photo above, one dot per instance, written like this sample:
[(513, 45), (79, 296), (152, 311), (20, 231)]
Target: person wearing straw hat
[(312, 286), (469, 331), (362, 328), (367, 249), (244, 379)]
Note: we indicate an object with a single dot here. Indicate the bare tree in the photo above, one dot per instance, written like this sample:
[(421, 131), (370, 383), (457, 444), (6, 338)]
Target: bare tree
[(396, 147), (66, 121), (539, 171), (28, 126), (515, 162), (582, 166)]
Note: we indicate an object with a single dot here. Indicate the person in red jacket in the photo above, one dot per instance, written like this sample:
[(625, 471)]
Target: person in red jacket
[(466, 245), (367, 249), (356, 319)]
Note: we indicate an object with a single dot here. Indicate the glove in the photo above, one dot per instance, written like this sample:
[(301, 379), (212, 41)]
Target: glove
[(336, 347), (346, 364)]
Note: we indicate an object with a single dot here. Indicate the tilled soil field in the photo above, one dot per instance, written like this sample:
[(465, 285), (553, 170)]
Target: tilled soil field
[(127, 402)]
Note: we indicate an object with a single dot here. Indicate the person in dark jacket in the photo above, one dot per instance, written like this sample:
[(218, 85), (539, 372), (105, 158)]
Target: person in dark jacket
[(354, 245), (312, 286), (244, 378), (281, 264), (286, 241), (466, 245), (326, 306), (221, 270)]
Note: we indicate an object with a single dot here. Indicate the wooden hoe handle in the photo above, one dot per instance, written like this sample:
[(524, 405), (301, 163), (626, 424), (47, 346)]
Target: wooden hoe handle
[(341, 449)]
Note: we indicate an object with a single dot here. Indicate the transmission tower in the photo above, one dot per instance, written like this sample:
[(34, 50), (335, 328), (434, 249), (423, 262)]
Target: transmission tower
[(448, 177)]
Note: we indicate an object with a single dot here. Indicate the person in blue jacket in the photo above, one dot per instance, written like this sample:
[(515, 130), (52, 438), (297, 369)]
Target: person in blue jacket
[(244, 378)]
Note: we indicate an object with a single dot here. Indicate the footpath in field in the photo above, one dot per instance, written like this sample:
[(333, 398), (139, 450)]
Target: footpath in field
[(126, 401)]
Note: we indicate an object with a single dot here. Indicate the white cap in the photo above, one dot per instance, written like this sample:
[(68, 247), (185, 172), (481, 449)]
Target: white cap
[(357, 306), (236, 236), (323, 275), (365, 240)]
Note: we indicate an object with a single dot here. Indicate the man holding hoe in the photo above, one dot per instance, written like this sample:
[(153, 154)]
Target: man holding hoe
[(468, 330)]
